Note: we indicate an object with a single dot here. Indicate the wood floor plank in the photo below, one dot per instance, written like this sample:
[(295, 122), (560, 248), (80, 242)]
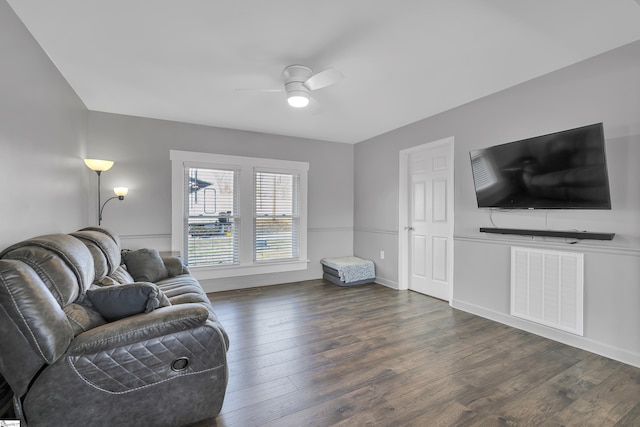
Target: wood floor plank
[(247, 378), (582, 413), (312, 353), (631, 418), (258, 393), (425, 397), (332, 411), (611, 396), (303, 399), (450, 413), (540, 403), (497, 397)]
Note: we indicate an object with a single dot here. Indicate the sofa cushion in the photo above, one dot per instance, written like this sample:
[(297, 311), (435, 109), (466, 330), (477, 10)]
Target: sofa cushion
[(82, 318), (117, 302), (145, 265), (183, 289), (34, 316), (104, 248), (63, 263), (119, 277), (109, 281)]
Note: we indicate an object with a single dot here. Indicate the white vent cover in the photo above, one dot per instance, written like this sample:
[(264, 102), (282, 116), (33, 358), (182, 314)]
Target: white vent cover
[(547, 288)]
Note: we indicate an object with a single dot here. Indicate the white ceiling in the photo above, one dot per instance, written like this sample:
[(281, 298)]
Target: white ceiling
[(404, 60)]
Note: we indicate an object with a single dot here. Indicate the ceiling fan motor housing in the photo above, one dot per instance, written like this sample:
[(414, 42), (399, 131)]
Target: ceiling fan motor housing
[(294, 78), (296, 73)]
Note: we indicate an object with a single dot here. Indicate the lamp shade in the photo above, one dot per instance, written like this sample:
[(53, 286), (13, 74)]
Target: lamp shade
[(121, 191), (98, 165)]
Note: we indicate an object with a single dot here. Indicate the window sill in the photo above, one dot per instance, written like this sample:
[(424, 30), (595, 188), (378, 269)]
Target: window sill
[(206, 273)]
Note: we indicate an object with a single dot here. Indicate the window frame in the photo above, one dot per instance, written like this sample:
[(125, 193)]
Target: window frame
[(246, 200)]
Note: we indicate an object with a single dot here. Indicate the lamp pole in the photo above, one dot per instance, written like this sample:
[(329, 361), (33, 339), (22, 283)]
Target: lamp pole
[(99, 211)]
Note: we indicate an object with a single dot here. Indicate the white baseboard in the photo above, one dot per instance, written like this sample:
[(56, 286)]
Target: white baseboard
[(388, 283), (218, 285), (583, 343), (210, 286), (247, 282)]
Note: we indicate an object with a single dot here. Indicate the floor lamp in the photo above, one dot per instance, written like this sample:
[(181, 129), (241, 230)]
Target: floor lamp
[(99, 166)]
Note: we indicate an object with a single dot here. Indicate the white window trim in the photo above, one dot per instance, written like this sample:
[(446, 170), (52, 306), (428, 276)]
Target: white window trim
[(246, 165)]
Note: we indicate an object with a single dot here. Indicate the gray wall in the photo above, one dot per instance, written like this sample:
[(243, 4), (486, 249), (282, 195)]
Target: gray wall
[(42, 139), (140, 148), (605, 89)]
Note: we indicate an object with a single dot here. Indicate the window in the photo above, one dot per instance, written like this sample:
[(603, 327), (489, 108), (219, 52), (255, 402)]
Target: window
[(212, 233), (276, 220), (236, 215)]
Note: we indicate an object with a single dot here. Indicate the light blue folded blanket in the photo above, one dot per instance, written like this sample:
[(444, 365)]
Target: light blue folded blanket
[(351, 268)]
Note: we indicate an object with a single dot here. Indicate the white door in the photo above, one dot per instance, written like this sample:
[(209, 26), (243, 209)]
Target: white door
[(430, 222)]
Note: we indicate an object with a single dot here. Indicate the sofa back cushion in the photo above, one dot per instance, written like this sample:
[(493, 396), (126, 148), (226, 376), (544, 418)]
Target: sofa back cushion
[(104, 247), (63, 263)]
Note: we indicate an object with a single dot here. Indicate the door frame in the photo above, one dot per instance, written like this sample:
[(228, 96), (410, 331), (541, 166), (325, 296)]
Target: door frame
[(403, 211)]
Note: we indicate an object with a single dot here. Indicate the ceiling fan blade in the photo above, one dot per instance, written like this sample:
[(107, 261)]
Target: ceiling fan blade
[(323, 79), (259, 90)]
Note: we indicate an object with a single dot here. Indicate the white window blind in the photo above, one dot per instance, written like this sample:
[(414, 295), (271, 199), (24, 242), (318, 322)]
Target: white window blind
[(276, 216), (212, 225)]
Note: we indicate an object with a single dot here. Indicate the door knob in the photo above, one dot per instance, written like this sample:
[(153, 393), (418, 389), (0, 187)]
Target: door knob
[(409, 228)]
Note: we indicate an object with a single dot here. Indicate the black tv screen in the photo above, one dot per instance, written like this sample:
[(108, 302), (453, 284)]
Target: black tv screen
[(562, 170)]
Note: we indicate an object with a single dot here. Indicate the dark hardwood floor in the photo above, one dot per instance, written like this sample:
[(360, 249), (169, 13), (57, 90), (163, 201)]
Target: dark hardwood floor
[(316, 354)]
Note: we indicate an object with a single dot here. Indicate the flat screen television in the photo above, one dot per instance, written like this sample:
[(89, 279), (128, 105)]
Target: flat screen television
[(562, 170)]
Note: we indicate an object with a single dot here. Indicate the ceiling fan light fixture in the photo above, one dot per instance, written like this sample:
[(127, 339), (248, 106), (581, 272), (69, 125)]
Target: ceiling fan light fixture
[(299, 81), (298, 100), (297, 94)]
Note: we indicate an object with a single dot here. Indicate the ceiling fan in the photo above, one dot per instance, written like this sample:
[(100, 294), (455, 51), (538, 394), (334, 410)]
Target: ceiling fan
[(299, 81)]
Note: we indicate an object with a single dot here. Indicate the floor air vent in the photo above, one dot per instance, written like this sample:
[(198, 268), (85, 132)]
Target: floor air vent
[(547, 288)]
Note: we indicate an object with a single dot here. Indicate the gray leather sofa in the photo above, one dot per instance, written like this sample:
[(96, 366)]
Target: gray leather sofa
[(161, 363)]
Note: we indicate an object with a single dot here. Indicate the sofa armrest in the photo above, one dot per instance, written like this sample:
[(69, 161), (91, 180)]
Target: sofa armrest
[(158, 323), (146, 350), (174, 266)]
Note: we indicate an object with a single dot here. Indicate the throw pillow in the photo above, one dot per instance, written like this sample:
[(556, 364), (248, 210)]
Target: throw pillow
[(145, 265), (117, 302), (174, 266)]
